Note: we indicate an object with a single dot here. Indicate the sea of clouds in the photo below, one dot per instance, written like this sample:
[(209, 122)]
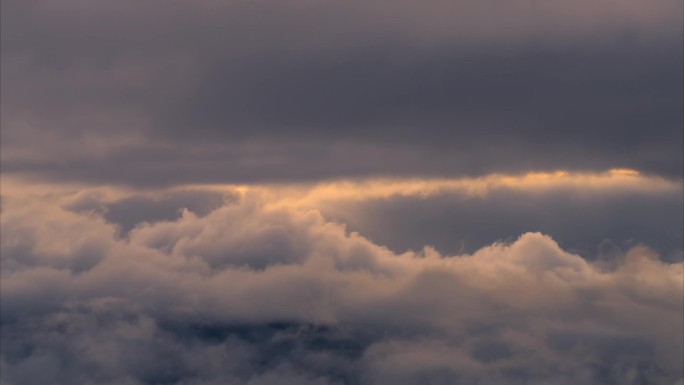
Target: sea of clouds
[(242, 291)]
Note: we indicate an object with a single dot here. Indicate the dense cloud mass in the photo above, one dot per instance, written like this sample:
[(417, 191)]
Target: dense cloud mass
[(359, 192), (255, 292), (173, 92)]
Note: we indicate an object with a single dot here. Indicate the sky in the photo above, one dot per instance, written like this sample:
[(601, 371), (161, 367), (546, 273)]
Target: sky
[(365, 192)]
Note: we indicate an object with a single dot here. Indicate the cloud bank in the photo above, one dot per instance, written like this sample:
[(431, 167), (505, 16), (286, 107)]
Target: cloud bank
[(597, 215), (252, 293), (341, 193), (167, 93)]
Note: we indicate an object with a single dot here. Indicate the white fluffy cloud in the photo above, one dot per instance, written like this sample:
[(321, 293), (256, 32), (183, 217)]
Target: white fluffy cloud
[(258, 294)]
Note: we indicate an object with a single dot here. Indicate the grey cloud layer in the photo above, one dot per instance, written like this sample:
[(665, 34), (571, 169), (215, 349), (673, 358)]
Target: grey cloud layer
[(594, 224), (135, 209), (254, 295), (241, 91)]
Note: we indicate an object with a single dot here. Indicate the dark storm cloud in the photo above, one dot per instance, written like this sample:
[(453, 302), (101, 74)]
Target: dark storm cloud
[(177, 302), (158, 93)]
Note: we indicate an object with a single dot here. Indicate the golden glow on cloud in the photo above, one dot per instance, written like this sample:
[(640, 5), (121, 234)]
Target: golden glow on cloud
[(615, 180), (312, 194), (624, 171)]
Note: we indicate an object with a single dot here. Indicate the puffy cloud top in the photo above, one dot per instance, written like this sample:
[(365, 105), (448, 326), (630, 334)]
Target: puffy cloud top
[(256, 294)]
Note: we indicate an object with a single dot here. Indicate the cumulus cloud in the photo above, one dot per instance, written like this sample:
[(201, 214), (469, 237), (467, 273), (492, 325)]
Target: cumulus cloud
[(188, 220), (251, 293)]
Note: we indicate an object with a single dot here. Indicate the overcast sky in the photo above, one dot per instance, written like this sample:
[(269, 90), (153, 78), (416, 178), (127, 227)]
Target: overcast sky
[(165, 92), (354, 192)]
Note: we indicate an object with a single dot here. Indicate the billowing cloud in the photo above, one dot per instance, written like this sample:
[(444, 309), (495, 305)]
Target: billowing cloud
[(260, 293), (341, 193)]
